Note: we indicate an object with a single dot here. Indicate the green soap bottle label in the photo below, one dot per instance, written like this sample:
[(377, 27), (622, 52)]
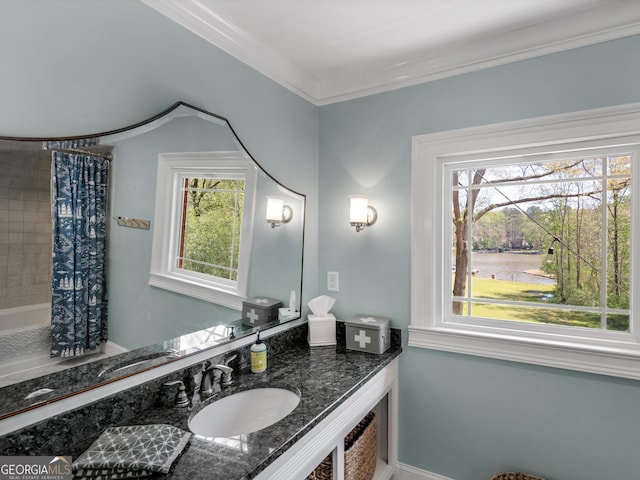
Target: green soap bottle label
[(258, 361)]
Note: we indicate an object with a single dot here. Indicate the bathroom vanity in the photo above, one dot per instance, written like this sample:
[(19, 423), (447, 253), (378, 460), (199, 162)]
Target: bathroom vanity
[(337, 388)]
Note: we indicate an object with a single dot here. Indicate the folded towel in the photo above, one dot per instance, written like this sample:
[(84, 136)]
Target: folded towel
[(131, 452), (112, 474)]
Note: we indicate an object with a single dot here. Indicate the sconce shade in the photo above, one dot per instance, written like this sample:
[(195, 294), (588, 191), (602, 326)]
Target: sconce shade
[(358, 209), (361, 214), (274, 209), (277, 212)]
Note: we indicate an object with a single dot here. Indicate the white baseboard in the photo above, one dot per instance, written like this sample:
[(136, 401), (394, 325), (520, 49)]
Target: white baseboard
[(407, 472)]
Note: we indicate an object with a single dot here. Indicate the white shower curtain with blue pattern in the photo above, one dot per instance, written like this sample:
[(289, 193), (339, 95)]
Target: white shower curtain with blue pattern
[(79, 213)]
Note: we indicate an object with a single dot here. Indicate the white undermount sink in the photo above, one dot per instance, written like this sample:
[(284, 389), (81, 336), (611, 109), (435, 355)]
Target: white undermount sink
[(244, 412)]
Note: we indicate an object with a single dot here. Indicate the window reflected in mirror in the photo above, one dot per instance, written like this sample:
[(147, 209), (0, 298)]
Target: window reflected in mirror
[(204, 225), (210, 226)]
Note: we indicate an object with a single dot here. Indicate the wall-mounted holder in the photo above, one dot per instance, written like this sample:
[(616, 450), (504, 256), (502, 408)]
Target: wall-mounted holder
[(133, 222)]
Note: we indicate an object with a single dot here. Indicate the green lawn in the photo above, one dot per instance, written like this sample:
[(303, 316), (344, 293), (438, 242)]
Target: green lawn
[(529, 292)]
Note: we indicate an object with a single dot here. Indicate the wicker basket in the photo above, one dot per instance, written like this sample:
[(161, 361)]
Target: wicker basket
[(515, 476), (361, 450), (360, 453), (324, 471)]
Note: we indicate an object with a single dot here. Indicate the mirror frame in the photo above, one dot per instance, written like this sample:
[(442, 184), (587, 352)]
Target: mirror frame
[(154, 355)]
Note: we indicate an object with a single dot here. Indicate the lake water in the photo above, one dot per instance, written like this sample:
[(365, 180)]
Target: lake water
[(510, 267)]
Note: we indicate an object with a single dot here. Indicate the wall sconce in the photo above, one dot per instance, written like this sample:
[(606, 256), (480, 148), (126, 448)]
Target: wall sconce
[(361, 214), (277, 212)]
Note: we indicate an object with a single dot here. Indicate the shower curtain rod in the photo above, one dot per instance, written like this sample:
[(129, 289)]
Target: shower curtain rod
[(107, 156)]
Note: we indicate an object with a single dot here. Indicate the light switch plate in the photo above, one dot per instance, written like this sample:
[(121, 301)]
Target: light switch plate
[(333, 282)]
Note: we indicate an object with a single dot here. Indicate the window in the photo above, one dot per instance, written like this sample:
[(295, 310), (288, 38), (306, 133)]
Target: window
[(523, 249), (203, 225), (505, 214), (211, 216)]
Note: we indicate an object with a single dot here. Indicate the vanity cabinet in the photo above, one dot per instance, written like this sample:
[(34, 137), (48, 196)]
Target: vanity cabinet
[(380, 395)]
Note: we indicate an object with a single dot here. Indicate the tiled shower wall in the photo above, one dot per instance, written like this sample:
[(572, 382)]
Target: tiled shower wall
[(25, 228)]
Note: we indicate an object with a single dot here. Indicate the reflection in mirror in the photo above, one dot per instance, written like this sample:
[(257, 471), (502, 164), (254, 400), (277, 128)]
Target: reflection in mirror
[(148, 323)]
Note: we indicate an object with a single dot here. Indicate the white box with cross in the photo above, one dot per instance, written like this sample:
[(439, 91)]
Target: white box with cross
[(368, 333)]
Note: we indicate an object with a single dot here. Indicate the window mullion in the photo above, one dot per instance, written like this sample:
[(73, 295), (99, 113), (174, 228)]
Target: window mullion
[(604, 244), (448, 235), (182, 231), (635, 238), (235, 230), (469, 239)]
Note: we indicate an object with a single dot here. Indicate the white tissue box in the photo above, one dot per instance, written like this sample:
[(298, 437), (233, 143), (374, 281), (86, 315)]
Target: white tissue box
[(322, 330)]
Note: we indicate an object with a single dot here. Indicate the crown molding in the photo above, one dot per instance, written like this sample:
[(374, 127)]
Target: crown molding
[(340, 84), (213, 27)]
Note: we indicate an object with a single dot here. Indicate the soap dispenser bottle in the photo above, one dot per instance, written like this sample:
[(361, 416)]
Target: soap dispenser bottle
[(258, 356)]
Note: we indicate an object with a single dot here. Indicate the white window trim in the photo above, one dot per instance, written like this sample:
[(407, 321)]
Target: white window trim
[(166, 221), (616, 356)]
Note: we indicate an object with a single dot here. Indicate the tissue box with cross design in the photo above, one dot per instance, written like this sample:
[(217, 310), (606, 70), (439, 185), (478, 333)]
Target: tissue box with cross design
[(368, 333), (258, 311)]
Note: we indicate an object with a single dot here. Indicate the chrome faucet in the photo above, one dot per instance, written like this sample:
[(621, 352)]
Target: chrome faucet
[(181, 398), (206, 384)]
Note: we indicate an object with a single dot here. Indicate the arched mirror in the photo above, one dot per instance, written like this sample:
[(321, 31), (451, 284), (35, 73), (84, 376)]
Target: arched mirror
[(187, 240)]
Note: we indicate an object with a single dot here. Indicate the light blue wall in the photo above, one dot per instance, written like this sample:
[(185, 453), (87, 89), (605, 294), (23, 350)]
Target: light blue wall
[(79, 66), (464, 417), (71, 67), (138, 313)]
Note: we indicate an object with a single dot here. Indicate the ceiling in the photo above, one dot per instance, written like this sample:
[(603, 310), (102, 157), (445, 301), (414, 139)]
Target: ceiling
[(332, 50)]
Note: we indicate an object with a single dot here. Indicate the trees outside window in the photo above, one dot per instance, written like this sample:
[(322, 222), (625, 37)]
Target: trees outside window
[(211, 225), (575, 211)]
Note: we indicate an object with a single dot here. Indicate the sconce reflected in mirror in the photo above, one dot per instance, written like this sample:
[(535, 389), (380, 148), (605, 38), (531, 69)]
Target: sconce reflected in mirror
[(277, 212), (361, 214)]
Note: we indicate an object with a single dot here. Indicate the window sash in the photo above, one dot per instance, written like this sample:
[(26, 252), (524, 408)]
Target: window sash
[(453, 165), (178, 259), (608, 352)]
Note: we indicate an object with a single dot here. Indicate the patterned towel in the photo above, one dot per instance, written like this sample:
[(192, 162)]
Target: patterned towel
[(131, 452)]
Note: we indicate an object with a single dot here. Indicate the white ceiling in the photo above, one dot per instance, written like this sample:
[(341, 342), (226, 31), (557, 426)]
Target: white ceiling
[(333, 50)]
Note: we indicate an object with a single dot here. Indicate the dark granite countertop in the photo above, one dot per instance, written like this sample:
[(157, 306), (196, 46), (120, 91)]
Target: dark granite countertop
[(325, 377), (78, 376)]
